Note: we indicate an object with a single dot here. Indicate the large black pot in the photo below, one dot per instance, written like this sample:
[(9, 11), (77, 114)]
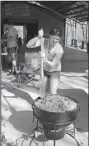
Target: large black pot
[(50, 119)]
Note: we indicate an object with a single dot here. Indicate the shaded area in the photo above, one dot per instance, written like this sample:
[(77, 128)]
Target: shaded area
[(18, 93), (82, 98), (22, 121), (86, 77)]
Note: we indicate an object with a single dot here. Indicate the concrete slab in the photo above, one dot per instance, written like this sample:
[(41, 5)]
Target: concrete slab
[(18, 117)]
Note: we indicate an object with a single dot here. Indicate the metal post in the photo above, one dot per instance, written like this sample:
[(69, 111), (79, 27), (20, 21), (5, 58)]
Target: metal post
[(66, 33), (37, 124), (86, 33), (55, 131), (74, 129), (54, 143), (75, 30)]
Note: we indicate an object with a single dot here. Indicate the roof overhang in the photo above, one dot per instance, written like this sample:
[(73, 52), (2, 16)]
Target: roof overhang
[(75, 10)]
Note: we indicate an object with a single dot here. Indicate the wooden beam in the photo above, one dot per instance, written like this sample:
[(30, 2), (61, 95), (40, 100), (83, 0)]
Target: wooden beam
[(74, 12), (65, 5), (80, 15), (83, 18), (85, 4), (73, 8)]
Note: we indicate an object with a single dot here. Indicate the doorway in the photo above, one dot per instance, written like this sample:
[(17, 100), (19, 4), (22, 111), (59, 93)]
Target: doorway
[(32, 30)]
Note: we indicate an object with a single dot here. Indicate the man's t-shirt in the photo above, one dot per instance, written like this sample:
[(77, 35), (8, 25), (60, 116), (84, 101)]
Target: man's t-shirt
[(12, 37), (54, 53)]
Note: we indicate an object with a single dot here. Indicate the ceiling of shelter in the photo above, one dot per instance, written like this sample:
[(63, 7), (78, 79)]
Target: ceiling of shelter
[(76, 10)]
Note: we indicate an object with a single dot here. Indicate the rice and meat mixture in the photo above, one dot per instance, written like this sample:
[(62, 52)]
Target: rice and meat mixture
[(56, 103)]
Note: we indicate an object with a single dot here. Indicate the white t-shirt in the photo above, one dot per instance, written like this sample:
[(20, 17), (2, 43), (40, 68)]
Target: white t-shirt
[(54, 53), (12, 37)]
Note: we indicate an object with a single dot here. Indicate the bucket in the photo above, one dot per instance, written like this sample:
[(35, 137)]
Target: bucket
[(82, 46), (74, 43)]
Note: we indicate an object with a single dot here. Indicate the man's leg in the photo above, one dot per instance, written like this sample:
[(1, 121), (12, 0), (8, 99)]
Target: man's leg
[(54, 80), (14, 66), (9, 58), (47, 85), (14, 60)]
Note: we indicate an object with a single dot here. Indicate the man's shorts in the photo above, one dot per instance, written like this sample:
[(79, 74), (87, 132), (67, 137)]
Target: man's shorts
[(12, 53), (52, 74)]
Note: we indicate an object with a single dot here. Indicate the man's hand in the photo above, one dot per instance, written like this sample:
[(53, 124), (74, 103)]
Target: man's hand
[(46, 61), (40, 33), (42, 54)]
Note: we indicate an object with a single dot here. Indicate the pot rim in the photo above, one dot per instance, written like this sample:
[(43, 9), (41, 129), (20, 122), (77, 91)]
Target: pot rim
[(77, 108)]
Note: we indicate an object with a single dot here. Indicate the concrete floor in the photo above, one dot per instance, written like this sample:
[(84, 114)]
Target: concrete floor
[(17, 117)]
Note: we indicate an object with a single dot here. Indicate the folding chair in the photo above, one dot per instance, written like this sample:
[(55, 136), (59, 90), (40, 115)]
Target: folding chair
[(28, 72)]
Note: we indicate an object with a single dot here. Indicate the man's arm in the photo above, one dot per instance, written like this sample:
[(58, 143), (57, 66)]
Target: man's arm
[(57, 56), (55, 61), (35, 42)]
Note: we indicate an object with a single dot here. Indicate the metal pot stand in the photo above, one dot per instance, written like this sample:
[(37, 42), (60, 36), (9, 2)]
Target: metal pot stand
[(70, 132), (50, 129)]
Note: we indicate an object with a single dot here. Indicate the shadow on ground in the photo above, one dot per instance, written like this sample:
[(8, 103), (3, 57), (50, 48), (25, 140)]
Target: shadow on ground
[(82, 97), (86, 77), (22, 121), (18, 93)]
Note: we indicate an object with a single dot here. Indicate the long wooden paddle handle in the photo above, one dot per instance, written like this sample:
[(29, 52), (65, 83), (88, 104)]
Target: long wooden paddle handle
[(42, 61), (42, 87)]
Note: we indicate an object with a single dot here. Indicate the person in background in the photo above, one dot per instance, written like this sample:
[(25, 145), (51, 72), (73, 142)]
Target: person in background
[(52, 60), (12, 43)]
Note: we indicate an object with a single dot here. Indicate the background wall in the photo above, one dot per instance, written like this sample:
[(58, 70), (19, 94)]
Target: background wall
[(46, 21), (27, 13)]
